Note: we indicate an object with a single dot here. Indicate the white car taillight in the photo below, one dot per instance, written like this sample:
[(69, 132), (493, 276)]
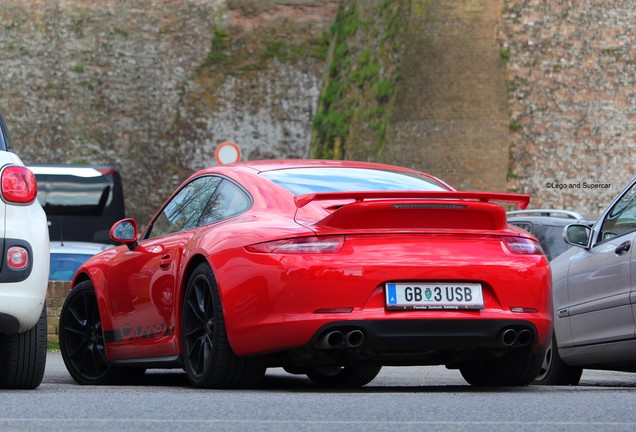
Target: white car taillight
[(309, 245), (18, 185), (17, 258), (522, 245)]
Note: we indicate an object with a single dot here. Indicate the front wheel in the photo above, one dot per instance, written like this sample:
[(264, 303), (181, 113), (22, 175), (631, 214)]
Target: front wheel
[(554, 371), (516, 368), (343, 376), (208, 358), (82, 340), (23, 357)]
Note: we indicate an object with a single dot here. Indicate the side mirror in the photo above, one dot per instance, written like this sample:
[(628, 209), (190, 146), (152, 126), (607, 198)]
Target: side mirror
[(125, 231), (577, 235)]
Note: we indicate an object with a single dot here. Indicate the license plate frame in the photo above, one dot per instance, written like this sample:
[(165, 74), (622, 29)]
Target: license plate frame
[(434, 296)]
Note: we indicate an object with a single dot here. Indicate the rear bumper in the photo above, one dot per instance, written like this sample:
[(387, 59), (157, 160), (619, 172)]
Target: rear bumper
[(23, 292), (415, 342), (439, 335)]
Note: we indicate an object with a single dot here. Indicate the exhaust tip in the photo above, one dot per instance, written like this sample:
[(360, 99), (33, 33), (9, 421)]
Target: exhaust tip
[(508, 337), (525, 337), (334, 339), (354, 338), (331, 340)]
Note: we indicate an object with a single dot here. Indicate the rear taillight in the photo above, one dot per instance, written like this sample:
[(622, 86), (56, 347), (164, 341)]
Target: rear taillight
[(17, 258), (18, 185), (522, 245), (308, 245)]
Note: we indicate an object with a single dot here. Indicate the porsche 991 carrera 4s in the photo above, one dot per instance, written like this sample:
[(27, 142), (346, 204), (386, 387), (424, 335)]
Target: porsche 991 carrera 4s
[(331, 269)]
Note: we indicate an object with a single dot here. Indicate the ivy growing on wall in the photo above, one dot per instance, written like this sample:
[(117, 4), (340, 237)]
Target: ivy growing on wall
[(360, 81)]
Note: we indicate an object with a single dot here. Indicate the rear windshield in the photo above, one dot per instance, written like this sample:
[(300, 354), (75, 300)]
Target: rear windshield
[(312, 180), (81, 202), (75, 194), (63, 266)]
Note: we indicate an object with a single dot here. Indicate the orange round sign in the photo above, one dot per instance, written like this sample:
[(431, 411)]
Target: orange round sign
[(227, 152)]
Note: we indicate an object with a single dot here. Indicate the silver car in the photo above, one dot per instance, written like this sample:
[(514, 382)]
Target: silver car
[(594, 291)]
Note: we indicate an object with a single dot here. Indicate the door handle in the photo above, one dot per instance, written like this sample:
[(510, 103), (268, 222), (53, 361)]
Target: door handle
[(623, 248), (563, 313), (165, 262)]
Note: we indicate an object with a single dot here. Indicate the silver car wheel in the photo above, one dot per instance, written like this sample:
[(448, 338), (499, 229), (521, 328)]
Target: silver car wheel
[(547, 363)]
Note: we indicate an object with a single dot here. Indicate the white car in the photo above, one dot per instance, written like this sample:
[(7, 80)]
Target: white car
[(67, 256), (24, 273)]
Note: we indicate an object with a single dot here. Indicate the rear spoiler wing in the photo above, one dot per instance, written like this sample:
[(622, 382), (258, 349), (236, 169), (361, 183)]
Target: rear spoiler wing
[(521, 200)]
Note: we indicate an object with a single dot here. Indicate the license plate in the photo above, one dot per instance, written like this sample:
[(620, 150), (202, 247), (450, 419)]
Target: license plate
[(434, 296)]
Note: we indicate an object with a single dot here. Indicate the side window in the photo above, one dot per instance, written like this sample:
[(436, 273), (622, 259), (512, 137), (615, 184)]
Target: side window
[(5, 142), (621, 219), (186, 207), (229, 200), (2, 144), (523, 225)]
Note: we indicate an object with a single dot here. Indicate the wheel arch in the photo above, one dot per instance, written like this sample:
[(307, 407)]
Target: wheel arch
[(97, 280), (81, 277)]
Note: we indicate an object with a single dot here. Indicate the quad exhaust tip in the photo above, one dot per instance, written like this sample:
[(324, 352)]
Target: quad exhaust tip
[(518, 338), (337, 339)]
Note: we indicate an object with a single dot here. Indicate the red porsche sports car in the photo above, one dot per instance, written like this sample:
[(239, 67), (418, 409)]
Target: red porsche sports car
[(326, 268)]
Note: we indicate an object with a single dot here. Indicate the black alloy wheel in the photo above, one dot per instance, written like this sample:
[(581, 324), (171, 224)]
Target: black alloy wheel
[(207, 356), (198, 326), (82, 339)]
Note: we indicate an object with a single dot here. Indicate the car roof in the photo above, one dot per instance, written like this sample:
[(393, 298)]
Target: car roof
[(552, 213), (552, 217), (75, 170), (280, 164), (75, 247), (543, 220)]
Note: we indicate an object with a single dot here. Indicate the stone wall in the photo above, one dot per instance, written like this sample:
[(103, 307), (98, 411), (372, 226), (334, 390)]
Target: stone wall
[(572, 80), (450, 116), (55, 295), (154, 88)]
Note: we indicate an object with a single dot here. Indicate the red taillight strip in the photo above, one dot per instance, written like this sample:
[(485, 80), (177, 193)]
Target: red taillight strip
[(301, 245)]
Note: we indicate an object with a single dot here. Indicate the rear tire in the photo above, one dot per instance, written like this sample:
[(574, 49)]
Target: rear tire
[(515, 368), (208, 358), (554, 371), (343, 376), (23, 356)]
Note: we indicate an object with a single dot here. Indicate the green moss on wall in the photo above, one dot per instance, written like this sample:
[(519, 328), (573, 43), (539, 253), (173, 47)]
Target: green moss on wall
[(361, 75), (235, 52)]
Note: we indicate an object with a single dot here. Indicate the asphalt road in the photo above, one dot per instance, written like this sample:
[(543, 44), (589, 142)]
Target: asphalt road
[(399, 399)]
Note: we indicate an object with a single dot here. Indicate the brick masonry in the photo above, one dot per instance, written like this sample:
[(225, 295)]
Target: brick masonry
[(55, 296), (451, 117)]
